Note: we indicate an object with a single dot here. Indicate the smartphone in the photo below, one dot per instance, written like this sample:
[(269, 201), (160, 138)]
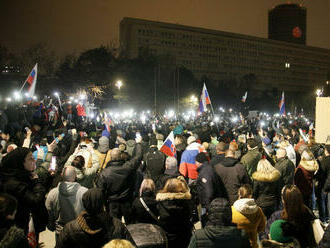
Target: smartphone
[(138, 135), (53, 163)]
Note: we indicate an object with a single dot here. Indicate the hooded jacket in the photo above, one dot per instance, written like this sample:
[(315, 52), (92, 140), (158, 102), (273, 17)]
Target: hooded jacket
[(174, 217), (64, 204), (30, 194), (266, 188), (233, 175), (219, 231), (303, 177), (250, 160), (248, 216)]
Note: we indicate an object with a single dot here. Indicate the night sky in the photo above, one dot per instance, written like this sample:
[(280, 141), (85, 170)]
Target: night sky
[(70, 26)]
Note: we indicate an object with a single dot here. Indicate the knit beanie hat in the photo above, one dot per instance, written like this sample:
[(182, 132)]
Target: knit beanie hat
[(276, 232), (15, 159)]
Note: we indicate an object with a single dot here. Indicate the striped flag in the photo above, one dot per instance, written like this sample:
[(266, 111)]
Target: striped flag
[(281, 105), (204, 101), (32, 81)]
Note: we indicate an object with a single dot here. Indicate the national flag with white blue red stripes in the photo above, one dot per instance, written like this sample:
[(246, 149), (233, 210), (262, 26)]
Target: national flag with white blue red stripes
[(281, 105), (168, 146), (204, 101)]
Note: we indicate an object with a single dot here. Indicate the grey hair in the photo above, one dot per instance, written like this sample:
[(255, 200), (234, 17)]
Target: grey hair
[(171, 163)]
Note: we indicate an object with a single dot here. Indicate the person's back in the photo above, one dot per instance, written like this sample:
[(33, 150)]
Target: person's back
[(93, 227), (219, 231), (64, 203), (251, 158), (232, 174)]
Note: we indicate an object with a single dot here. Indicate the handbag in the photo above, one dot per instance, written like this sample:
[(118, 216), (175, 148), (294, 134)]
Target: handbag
[(318, 230)]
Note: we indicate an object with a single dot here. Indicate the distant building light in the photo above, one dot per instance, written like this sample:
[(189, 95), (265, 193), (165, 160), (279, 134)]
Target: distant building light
[(287, 65)]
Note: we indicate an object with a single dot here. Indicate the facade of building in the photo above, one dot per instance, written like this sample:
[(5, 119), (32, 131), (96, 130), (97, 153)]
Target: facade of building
[(225, 57), (287, 22)]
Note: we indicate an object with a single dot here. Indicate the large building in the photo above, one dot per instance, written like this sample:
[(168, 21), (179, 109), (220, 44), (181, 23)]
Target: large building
[(287, 22), (229, 57)]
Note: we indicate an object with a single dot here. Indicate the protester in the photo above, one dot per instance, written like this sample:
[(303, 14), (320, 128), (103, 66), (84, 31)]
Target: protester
[(285, 167), (175, 207), (64, 203), (94, 227), (18, 178), (118, 243), (232, 174), (144, 207), (266, 187), (251, 158), (247, 215), (219, 231)]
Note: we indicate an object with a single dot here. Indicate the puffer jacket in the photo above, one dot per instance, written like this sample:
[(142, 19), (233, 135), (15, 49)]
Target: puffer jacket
[(266, 243), (233, 175), (248, 216), (286, 168), (250, 160), (175, 211), (303, 177), (64, 204), (140, 214), (92, 231), (267, 190)]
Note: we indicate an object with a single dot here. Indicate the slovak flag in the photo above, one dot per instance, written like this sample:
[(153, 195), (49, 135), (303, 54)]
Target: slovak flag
[(32, 238), (244, 97), (168, 146), (32, 81), (205, 100), (281, 105)]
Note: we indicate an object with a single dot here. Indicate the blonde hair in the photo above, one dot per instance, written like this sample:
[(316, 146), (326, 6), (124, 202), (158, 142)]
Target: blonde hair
[(265, 166), (245, 191), (175, 185), (118, 243), (147, 185)]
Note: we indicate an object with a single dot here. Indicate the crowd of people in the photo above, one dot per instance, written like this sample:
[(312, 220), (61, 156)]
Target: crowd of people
[(257, 181)]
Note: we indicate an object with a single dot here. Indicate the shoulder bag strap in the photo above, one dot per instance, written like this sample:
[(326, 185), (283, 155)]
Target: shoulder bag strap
[(148, 210)]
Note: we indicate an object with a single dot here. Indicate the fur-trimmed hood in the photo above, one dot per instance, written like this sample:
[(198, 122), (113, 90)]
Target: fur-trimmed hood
[(173, 196), (14, 237), (262, 176), (310, 165), (246, 206)]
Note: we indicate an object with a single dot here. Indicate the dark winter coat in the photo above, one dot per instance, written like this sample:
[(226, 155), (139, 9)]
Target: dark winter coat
[(267, 190), (209, 185), (217, 159), (175, 217), (155, 163), (117, 181), (250, 160), (92, 231), (325, 164), (140, 214), (286, 168), (233, 175), (13, 237), (162, 179), (219, 230), (30, 194), (303, 177)]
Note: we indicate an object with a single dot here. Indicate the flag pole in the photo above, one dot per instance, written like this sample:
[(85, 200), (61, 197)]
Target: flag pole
[(212, 110)]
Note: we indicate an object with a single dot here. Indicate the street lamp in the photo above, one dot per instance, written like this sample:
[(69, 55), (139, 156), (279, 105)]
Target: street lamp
[(119, 83)]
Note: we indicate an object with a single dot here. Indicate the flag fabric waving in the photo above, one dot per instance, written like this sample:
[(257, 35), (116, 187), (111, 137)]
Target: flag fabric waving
[(244, 97), (168, 147), (205, 100), (188, 167), (281, 105), (32, 81), (32, 238)]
